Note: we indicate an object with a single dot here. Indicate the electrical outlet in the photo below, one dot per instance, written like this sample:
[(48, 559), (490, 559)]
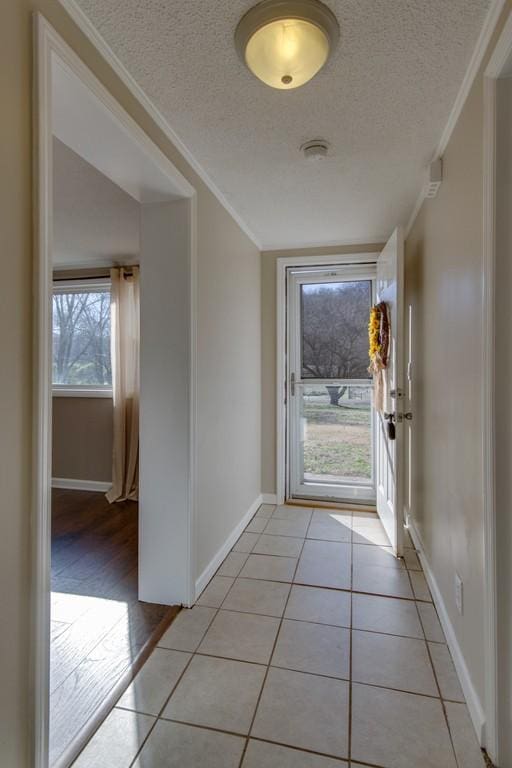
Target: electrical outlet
[(459, 594)]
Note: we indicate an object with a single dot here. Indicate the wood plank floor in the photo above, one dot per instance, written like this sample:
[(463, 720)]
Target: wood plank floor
[(101, 632)]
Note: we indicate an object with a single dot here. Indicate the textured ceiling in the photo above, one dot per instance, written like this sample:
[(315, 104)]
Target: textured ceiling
[(95, 222), (382, 102)]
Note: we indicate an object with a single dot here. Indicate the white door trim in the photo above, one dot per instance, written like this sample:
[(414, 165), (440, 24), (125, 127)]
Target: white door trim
[(48, 46), (495, 67), (282, 264)]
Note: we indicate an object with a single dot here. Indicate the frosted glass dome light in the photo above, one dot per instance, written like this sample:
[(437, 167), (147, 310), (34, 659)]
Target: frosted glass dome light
[(285, 43)]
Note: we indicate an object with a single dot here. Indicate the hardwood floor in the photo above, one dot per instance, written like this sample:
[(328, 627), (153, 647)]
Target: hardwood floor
[(101, 632)]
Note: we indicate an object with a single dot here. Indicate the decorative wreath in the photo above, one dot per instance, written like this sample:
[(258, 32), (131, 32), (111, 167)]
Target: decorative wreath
[(378, 336)]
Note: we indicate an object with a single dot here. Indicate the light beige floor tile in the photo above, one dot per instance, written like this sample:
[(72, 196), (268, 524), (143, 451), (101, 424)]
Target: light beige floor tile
[(469, 754), (255, 596), (243, 636), (174, 745), (217, 693), (420, 586), (411, 560), (399, 730), (329, 531), (233, 564), (336, 517), (153, 684), (269, 567), (188, 628), (325, 606), (246, 542), (431, 623), (370, 534), (216, 591), (280, 527), (265, 511), (364, 518), (116, 742), (369, 554), (315, 648), (325, 564), (256, 525), (261, 754), (294, 514), (286, 546), (387, 615), (304, 711), (392, 662), (445, 672), (379, 580)]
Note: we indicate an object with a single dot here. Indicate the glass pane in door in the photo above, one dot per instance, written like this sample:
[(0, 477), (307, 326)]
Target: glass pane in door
[(334, 329), (336, 434), (331, 444)]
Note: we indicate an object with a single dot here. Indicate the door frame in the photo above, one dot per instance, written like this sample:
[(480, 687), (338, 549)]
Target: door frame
[(495, 68), (282, 264), (48, 46)]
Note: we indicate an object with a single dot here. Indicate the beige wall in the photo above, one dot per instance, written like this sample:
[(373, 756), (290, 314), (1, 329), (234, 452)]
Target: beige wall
[(503, 422), (229, 478), (444, 287), (82, 438), (268, 349)]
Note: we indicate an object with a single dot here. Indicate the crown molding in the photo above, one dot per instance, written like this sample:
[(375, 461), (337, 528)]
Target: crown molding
[(482, 44), (99, 42), (377, 241)]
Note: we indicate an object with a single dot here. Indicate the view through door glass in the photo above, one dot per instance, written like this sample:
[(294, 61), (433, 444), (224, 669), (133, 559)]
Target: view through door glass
[(333, 452)]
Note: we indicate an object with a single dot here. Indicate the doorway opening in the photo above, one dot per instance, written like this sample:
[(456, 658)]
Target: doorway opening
[(330, 423), (115, 220)]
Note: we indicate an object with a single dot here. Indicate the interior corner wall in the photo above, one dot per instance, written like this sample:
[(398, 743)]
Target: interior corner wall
[(444, 274), (228, 379), (229, 458), (269, 349)]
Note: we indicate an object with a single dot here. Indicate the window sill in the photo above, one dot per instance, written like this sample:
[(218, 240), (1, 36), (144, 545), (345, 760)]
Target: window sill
[(70, 392)]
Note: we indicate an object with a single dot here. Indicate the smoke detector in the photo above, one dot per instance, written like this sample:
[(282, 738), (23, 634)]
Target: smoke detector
[(315, 149)]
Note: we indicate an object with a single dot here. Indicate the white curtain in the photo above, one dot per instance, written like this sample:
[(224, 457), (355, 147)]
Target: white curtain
[(125, 343)]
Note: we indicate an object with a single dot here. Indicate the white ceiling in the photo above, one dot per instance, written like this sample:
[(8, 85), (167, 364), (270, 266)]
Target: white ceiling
[(95, 222), (382, 102)]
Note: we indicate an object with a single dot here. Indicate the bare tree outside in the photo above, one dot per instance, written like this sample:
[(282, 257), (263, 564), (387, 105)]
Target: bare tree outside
[(335, 332), (81, 338)]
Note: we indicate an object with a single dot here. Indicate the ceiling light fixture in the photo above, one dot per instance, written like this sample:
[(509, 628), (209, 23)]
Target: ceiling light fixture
[(286, 42)]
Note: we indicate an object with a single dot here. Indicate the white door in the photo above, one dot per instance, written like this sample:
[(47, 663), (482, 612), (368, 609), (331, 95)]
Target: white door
[(330, 446), (389, 452)]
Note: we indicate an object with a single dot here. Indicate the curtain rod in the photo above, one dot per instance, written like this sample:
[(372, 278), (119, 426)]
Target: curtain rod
[(65, 275)]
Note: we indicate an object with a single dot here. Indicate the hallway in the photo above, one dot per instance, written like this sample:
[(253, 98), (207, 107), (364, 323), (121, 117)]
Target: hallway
[(312, 647)]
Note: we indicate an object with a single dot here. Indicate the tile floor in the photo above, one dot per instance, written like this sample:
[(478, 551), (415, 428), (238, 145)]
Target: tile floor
[(312, 647)]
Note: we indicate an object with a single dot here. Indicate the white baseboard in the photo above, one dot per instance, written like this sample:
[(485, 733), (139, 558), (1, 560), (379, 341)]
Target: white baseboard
[(475, 707), (80, 485), (220, 556), (268, 498)]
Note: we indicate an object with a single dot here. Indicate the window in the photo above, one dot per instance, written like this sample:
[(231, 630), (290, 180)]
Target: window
[(81, 337), (335, 329)]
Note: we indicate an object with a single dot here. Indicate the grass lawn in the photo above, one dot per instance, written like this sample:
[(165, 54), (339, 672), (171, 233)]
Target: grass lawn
[(337, 441)]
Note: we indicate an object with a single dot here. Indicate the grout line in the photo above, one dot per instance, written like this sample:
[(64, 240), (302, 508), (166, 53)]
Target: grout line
[(272, 652), (159, 716), (269, 665)]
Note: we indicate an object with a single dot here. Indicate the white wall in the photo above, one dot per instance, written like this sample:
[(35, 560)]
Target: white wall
[(164, 494)]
